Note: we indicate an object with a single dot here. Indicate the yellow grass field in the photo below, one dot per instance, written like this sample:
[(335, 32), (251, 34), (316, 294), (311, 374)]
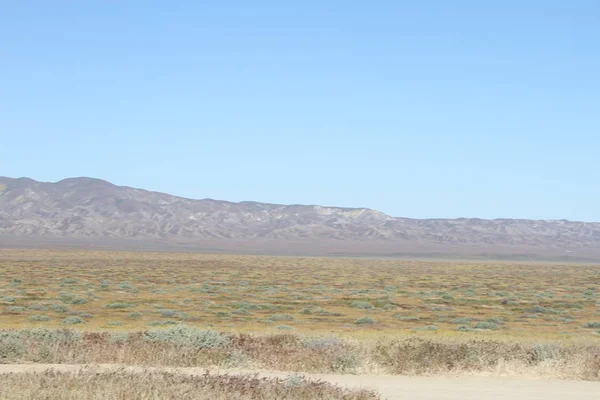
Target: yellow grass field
[(120, 291)]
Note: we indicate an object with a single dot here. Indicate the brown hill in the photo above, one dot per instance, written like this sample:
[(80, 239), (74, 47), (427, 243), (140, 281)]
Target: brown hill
[(87, 210)]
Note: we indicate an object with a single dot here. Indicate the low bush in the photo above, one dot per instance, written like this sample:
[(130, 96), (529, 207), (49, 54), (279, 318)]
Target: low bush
[(365, 321)]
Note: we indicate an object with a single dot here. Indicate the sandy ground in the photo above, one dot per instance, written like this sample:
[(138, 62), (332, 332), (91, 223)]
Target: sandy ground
[(394, 387)]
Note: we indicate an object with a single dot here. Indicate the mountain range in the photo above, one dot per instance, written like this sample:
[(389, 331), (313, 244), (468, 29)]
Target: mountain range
[(88, 211)]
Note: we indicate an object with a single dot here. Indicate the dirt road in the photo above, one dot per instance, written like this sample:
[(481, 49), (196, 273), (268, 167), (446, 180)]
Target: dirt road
[(397, 387)]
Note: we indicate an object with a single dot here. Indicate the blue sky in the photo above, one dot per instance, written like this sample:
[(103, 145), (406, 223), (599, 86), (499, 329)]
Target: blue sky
[(415, 108)]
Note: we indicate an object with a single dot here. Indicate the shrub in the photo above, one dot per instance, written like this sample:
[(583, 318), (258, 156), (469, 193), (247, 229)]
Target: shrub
[(162, 323), (426, 328), (364, 305), (186, 336), (72, 299), (134, 315), (322, 342), (169, 314), (294, 380), (311, 310), (365, 321), (59, 308), (496, 320), (15, 309), (120, 305), (46, 336), (592, 325), (38, 307), (408, 318), (462, 321), (118, 338), (284, 327), (346, 362), (543, 310), (105, 284), (487, 325), (236, 358), (114, 323), (73, 320), (280, 317), (11, 347), (9, 300), (39, 318)]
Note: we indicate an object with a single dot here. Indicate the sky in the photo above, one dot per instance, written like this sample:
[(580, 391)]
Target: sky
[(415, 108)]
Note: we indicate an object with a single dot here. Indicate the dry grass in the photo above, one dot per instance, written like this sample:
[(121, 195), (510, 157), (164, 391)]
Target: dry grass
[(121, 385), (389, 316), (190, 347), (131, 291)]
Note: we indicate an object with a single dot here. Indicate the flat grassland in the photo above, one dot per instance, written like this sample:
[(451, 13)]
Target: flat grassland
[(120, 291), (302, 315)]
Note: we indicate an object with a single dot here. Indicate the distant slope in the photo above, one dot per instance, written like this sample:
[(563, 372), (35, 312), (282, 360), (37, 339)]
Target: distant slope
[(86, 208)]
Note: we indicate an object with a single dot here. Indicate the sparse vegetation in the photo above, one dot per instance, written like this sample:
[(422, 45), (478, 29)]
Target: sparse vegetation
[(186, 346), (365, 321), (484, 317), (167, 386)]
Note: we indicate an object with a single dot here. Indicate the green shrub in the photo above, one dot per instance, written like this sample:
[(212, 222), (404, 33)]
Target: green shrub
[(120, 305), (134, 315), (119, 338), (487, 325), (311, 310), (47, 336), (364, 305), (426, 328), (592, 325), (12, 347), (543, 310), (280, 317), (365, 321), (73, 320), (163, 323), (59, 308), (39, 318), (170, 314), (38, 307), (462, 321), (15, 309), (71, 298), (408, 318)]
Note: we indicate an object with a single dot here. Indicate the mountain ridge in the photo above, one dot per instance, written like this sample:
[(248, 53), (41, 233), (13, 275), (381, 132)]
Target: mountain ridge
[(83, 178), (91, 208)]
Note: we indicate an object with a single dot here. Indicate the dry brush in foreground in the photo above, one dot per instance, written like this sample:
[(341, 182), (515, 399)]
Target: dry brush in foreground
[(123, 385), (183, 346)]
